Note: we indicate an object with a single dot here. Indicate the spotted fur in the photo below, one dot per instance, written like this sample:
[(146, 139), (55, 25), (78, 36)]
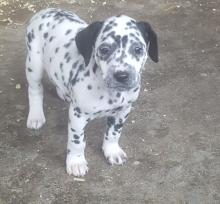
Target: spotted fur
[(96, 68)]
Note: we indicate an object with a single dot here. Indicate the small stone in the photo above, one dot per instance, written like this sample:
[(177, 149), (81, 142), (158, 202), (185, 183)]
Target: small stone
[(79, 179), (18, 86), (204, 74), (136, 163)]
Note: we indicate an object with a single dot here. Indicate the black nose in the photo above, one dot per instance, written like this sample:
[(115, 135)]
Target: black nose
[(121, 76)]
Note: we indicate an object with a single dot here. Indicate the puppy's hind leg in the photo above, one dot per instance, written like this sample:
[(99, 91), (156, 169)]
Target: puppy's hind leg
[(34, 71)]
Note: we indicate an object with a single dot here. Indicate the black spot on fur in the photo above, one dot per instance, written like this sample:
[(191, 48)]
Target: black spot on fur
[(45, 35), (71, 74), (107, 28), (97, 112), (94, 69), (136, 38), (89, 87), (122, 100), (28, 45), (110, 101), (126, 115), (76, 137), (118, 94), (57, 49), (77, 109), (124, 41), (67, 45), (61, 66), (48, 24), (40, 26), (60, 21), (87, 73), (121, 58), (75, 64), (75, 79), (111, 34), (110, 121), (101, 97), (61, 15), (88, 119), (135, 89), (117, 39), (68, 59), (51, 38), (66, 55), (68, 31), (55, 74), (29, 69), (30, 36), (117, 127), (73, 130), (118, 108), (76, 141)]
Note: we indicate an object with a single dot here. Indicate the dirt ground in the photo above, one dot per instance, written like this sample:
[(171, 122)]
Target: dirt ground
[(172, 137)]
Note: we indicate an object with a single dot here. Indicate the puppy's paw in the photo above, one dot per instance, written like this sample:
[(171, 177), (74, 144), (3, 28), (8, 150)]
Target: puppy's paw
[(76, 165), (35, 120), (114, 154)]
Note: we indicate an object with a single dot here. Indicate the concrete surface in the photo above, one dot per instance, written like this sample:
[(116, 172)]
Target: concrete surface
[(172, 137)]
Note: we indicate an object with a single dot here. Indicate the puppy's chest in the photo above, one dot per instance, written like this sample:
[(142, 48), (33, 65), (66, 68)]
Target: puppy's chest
[(97, 99)]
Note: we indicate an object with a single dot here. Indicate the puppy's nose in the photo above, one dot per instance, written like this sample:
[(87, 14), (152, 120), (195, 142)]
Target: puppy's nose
[(121, 76)]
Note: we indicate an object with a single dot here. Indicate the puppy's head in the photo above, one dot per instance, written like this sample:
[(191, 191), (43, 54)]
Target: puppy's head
[(120, 46)]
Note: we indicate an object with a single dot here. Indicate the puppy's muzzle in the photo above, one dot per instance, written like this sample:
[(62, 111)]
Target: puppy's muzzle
[(122, 80), (121, 76)]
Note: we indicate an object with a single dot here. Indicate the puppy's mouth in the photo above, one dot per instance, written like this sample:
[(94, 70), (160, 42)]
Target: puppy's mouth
[(111, 84), (120, 88)]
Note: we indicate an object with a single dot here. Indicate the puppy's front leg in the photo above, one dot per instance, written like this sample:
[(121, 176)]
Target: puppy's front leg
[(76, 163), (112, 151)]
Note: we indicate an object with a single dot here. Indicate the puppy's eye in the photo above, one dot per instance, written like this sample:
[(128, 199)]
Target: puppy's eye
[(138, 50), (104, 50)]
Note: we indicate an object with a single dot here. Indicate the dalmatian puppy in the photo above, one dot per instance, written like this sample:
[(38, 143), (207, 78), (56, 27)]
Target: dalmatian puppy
[(95, 67)]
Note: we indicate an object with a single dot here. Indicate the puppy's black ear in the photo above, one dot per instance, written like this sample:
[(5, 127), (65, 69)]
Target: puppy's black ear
[(85, 40), (149, 36)]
